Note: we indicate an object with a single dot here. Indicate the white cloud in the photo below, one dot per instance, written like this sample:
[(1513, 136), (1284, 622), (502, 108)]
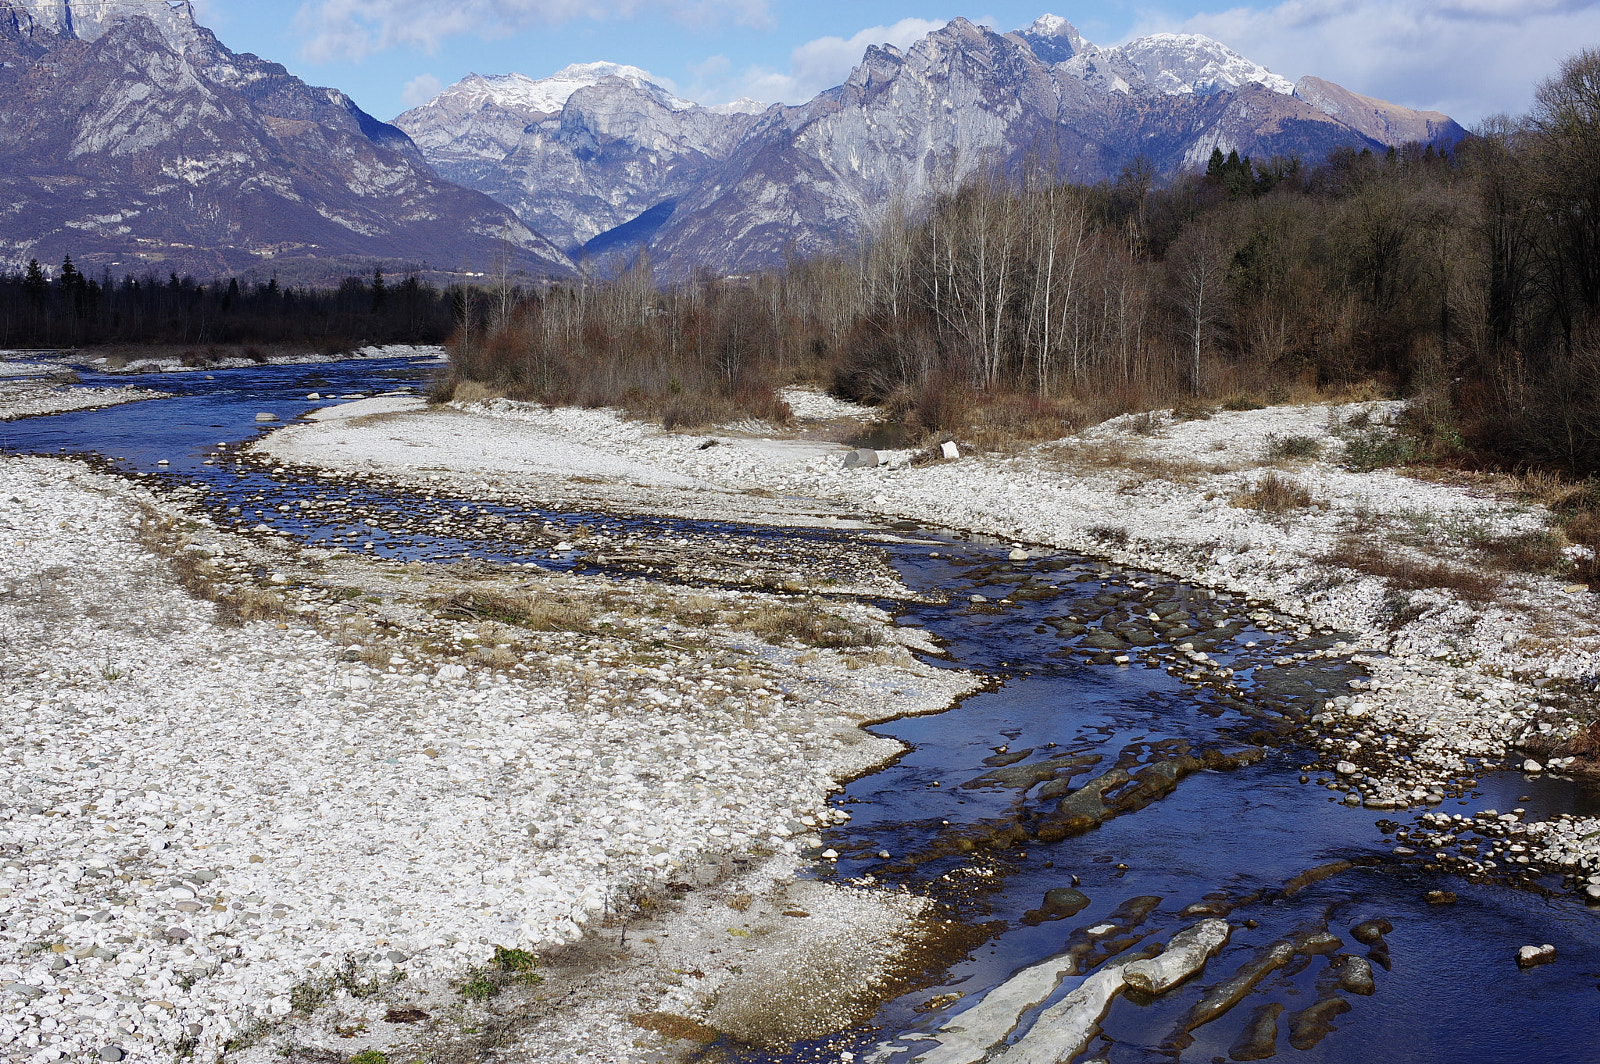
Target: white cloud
[(713, 66), (813, 66), (344, 30), (420, 89), (1467, 58)]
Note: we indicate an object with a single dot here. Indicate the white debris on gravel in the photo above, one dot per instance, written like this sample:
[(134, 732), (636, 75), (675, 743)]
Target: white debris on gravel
[(561, 457), (813, 404), (200, 819), (31, 398), (388, 403), (1455, 677)]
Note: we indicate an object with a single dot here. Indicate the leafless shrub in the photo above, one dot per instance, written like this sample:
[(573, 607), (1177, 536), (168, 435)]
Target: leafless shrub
[(1274, 493), (1146, 424), (1112, 534), (1192, 409), (1280, 448), (699, 354)]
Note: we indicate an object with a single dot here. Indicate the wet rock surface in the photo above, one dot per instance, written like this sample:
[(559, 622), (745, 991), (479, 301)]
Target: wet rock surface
[(1259, 1039)]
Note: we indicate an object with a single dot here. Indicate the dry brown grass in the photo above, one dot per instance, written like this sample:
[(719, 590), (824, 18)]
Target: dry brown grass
[(1302, 391), (1587, 744), (1583, 531), (680, 1028), (941, 408), (465, 391), (774, 620), (777, 623), (682, 410), (161, 535), (1119, 454), (1543, 486), (1274, 493), (1407, 573), (245, 604), (1527, 552), (539, 613)]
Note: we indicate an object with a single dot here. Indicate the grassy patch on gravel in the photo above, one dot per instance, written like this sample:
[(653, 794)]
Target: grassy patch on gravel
[(508, 967)]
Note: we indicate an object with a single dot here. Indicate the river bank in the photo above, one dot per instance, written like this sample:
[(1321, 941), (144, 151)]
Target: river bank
[(279, 831), (200, 361), (1470, 661), (36, 398)]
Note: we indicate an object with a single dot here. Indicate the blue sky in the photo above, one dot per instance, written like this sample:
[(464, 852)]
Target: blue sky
[(1468, 58)]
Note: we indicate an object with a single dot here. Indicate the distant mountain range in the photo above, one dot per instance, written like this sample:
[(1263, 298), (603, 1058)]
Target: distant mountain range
[(601, 159), (131, 138)]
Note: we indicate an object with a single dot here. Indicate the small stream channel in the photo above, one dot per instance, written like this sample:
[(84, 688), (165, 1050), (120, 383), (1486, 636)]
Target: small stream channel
[(971, 815)]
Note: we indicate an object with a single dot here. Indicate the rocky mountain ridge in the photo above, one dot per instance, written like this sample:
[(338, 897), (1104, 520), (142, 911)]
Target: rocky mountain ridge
[(133, 140), (584, 151), (736, 191), (964, 97)]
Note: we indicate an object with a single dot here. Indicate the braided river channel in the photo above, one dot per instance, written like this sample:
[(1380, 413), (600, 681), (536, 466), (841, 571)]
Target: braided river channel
[(1088, 804)]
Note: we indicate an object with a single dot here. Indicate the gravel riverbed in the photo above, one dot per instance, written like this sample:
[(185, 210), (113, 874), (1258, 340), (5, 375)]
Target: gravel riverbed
[(34, 397), (268, 799), (223, 835), (1462, 677)]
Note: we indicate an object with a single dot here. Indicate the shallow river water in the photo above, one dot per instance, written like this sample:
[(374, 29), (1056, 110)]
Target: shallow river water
[(971, 815)]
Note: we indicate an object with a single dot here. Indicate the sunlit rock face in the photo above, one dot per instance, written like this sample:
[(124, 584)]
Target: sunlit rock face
[(133, 140), (965, 98), (579, 153), (89, 20)]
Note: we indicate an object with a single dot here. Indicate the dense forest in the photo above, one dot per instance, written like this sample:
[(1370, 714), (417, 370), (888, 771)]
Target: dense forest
[(1010, 304), (70, 309)]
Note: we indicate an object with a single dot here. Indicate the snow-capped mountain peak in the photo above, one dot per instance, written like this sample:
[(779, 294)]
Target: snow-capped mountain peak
[(1173, 64), (744, 105), (1179, 64), (1052, 26), (583, 151), (522, 94), (1053, 39)]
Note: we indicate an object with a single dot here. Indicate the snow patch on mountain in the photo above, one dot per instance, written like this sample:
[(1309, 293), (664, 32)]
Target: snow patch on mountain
[(1053, 39), (520, 93), (744, 105), (1174, 64), (1178, 64)]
